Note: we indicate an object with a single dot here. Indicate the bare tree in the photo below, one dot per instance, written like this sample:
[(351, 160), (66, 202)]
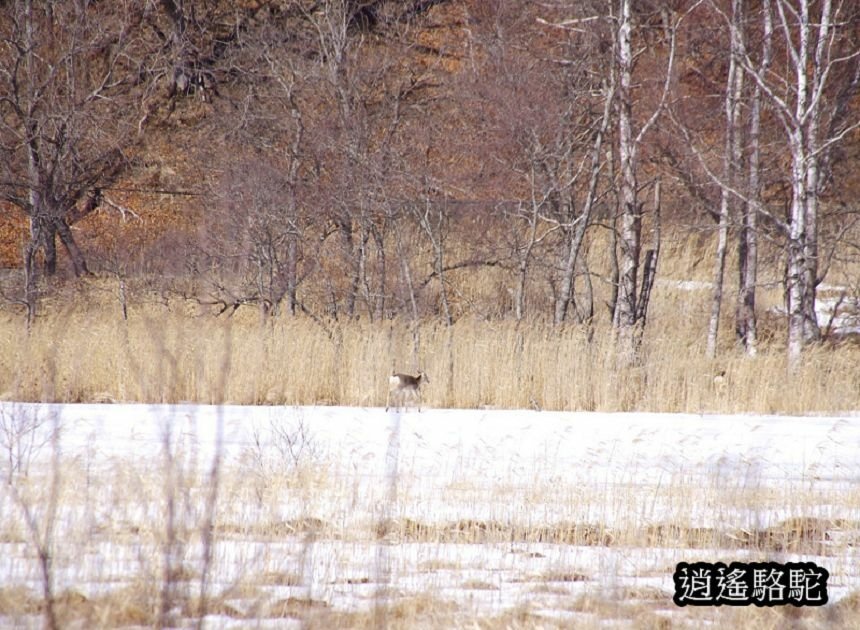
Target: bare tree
[(746, 325), (576, 232), (739, 190), (732, 156), (68, 80), (630, 309), (546, 104), (22, 434), (319, 170), (807, 96), (806, 91), (362, 96), (252, 247), (432, 219)]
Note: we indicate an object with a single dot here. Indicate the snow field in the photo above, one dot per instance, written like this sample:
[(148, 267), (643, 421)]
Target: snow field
[(561, 517)]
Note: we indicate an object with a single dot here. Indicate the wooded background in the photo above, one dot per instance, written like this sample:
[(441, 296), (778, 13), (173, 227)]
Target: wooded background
[(435, 159)]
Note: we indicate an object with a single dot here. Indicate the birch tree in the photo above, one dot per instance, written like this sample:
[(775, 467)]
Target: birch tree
[(732, 157), (819, 52), (746, 326), (631, 306)]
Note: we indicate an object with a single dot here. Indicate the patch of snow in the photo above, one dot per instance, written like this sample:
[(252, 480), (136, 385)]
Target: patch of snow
[(685, 285)]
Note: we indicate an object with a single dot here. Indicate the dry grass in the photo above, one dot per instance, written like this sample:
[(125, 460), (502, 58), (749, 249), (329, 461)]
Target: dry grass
[(82, 350), (171, 357), (804, 535)]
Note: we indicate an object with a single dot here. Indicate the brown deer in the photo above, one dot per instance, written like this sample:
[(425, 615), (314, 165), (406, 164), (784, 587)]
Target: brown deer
[(404, 386)]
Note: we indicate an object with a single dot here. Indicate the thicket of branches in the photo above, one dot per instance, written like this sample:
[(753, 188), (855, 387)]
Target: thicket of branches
[(360, 154)]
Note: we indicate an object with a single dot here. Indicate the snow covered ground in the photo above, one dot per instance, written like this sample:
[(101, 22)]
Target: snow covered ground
[(486, 510)]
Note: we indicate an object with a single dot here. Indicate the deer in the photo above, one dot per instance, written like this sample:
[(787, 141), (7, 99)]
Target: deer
[(403, 386)]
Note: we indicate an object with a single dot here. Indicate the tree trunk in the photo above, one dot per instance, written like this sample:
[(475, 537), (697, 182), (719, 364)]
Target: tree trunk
[(525, 255), (614, 272), (811, 330), (810, 74), (719, 269), (352, 256), (30, 274), (732, 156), (440, 270), (631, 216), (49, 244), (582, 222), (379, 302), (79, 262), (437, 238), (796, 266), (292, 273), (364, 282), (649, 266), (407, 274), (585, 306), (746, 325)]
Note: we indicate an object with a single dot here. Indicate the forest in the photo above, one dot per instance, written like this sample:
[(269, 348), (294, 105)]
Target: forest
[(639, 179)]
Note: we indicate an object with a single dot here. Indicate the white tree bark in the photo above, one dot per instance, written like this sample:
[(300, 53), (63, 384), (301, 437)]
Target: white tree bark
[(732, 157), (629, 314), (631, 218), (746, 325), (803, 141), (800, 102)]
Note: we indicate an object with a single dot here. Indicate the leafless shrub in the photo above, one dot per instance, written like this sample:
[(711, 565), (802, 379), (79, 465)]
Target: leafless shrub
[(289, 445), (23, 433)]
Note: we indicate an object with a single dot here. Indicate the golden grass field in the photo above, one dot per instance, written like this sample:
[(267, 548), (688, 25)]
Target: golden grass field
[(161, 355), (80, 349)]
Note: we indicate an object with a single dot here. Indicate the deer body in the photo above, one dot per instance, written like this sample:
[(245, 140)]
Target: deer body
[(404, 386)]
